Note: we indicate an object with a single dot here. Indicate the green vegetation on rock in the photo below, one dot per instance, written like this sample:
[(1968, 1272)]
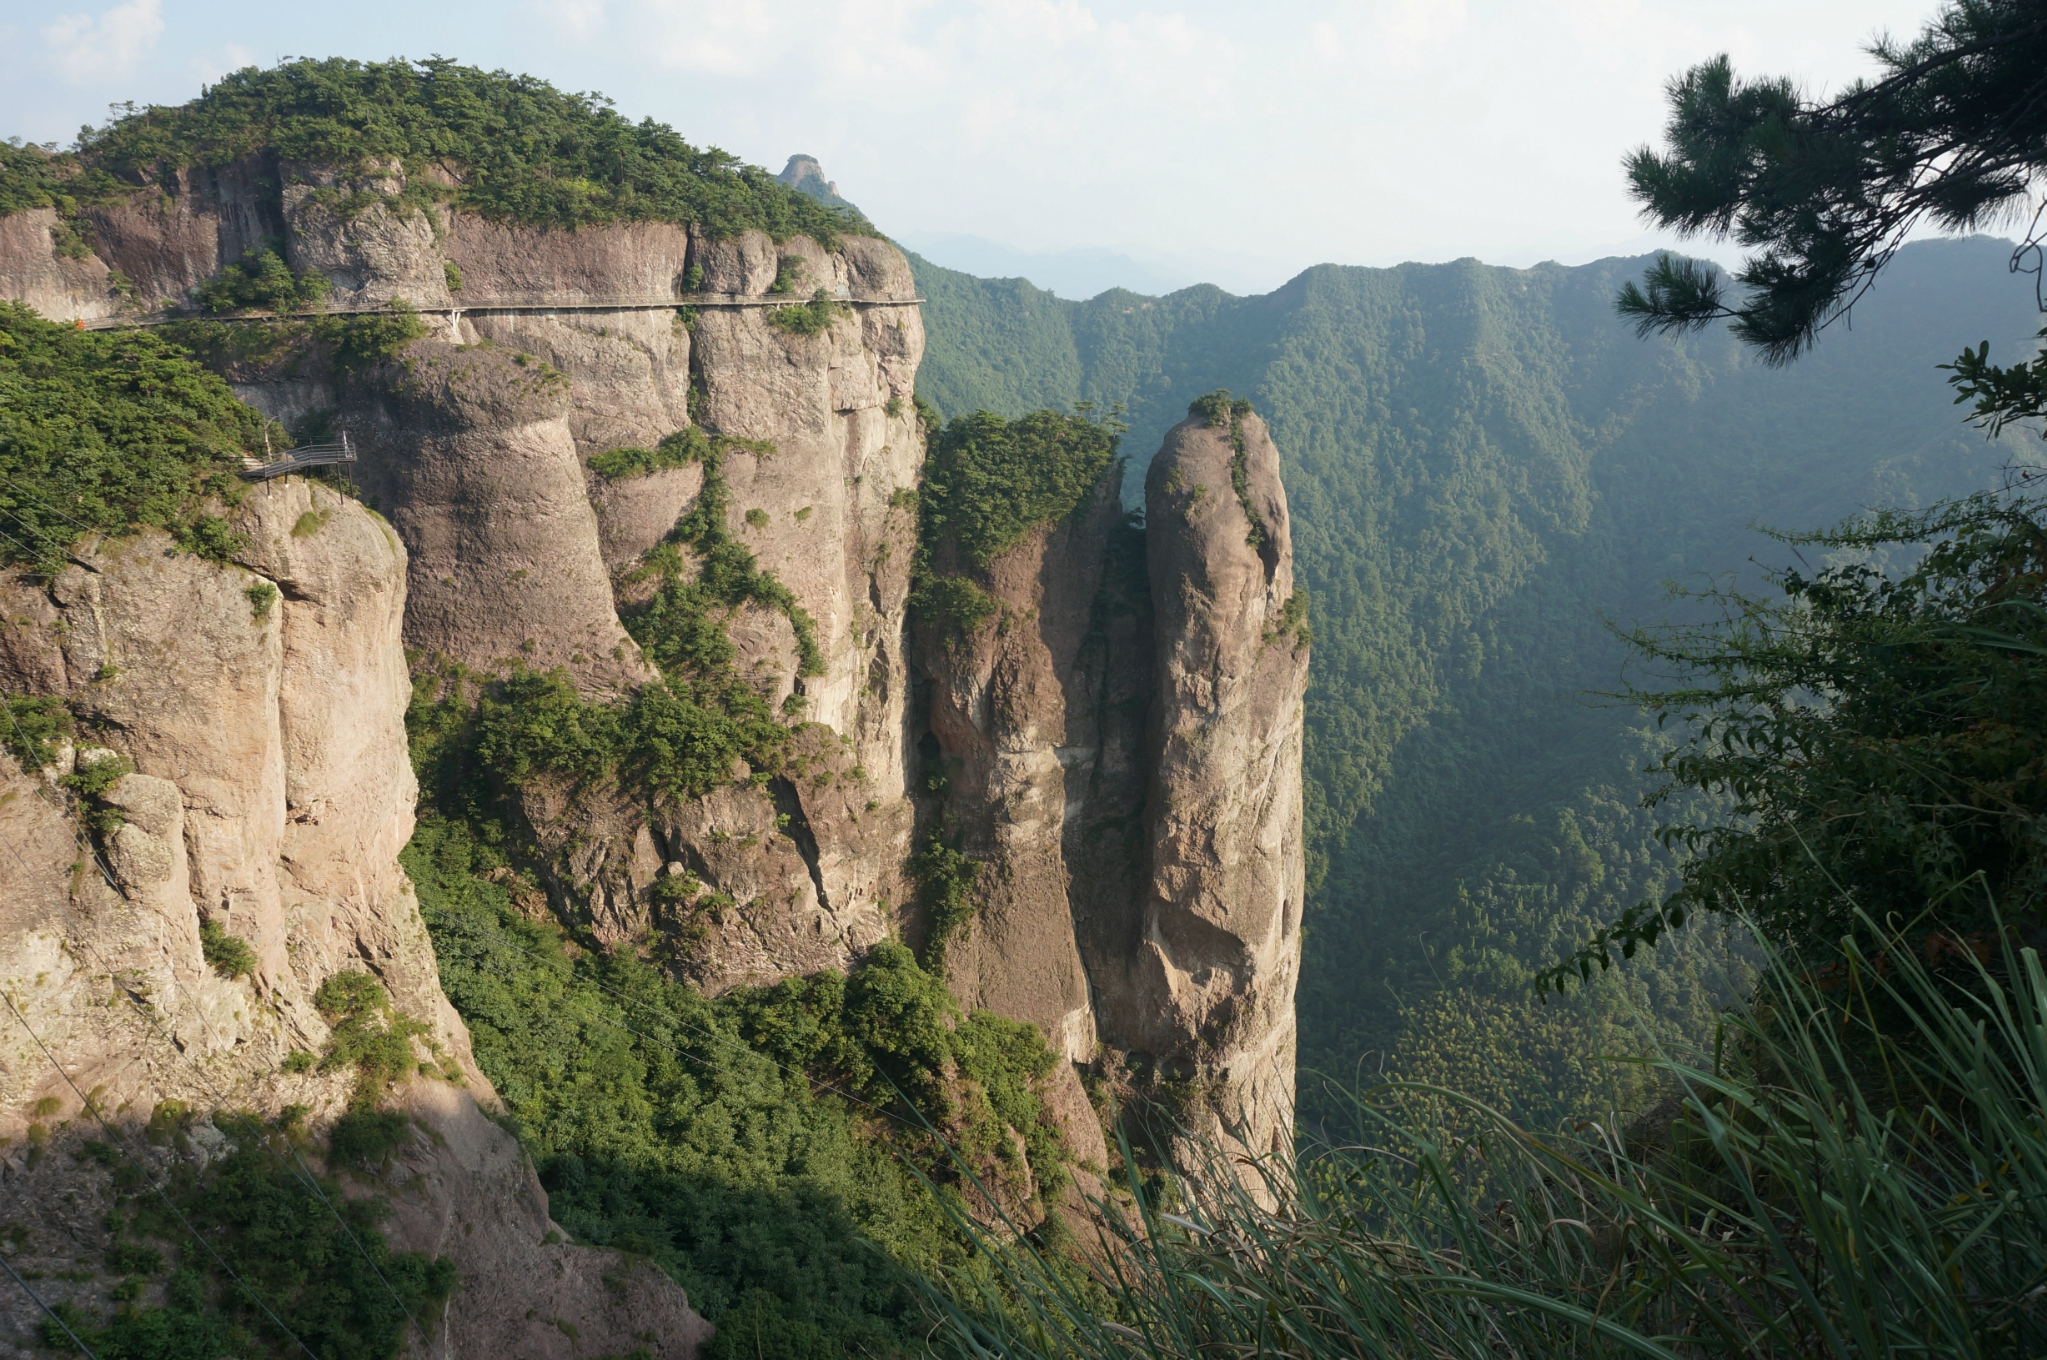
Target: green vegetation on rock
[(263, 281), (766, 1149), (809, 318), (517, 148), (105, 432), (227, 954), (316, 1257), (988, 482)]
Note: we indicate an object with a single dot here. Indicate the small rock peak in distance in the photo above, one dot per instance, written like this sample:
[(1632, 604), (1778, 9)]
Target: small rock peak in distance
[(806, 176)]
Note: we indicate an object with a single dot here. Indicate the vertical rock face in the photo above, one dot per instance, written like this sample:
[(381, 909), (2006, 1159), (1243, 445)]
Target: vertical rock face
[(1015, 723), (262, 705), (469, 453), (1216, 971), (1121, 748)]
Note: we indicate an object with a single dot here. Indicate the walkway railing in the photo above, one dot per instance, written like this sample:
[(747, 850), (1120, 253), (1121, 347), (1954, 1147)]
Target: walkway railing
[(305, 456), (536, 303)]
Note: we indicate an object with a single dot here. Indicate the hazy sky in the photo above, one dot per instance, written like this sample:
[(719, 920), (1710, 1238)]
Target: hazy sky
[(1242, 142)]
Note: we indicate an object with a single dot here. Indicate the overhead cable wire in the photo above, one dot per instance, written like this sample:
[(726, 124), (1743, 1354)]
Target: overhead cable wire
[(54, 1315), (156, 1186), (304, 1173)]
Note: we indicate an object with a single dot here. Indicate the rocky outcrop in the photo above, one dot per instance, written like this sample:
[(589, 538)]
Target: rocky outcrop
[(1016, 722), (468, 451), (1211, 989), (261, 704), (1121, 748)]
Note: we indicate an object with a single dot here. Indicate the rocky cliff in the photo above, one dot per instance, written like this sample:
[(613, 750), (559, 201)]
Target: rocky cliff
[(261, 705), (1120, 749)]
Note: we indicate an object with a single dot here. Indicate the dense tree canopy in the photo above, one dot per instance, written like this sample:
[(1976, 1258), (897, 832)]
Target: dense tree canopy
[(514, 147)]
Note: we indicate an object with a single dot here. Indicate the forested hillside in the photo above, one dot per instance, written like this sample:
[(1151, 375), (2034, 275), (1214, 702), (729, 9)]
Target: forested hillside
[(1485, 468)]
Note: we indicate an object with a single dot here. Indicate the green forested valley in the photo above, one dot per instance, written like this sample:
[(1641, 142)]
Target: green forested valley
[(1487, 469)]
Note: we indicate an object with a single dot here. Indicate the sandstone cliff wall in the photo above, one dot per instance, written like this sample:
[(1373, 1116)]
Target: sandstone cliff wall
[(1122, 750), (1122, 753), (271, 795)]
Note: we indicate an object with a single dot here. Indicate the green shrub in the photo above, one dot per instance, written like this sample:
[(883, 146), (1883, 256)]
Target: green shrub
[(104, 432), (133, 1258), (261, 280), (953, 606), (367, 1033), (35, 724), (672, 737), (262, 596), (989, 482), (736, 1142), (693, 444), (1293, 619), (358, 342), (315, 1257), (362, 1139), (209, 536), (945, 885), (226, 953), (809, 318), (89, 784)]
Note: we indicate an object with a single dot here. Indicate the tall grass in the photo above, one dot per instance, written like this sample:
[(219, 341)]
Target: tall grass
[(1858, 1167)]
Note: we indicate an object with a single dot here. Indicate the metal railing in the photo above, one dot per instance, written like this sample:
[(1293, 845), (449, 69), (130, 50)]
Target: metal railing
[(542, 303), (305, 456)]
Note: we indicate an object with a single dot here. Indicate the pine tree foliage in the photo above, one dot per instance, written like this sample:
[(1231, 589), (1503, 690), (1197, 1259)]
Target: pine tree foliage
[(1824, 192)]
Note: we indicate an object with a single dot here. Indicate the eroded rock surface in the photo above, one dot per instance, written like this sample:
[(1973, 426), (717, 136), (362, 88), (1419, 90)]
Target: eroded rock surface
[(1122, 752), (1214, 977), (262, 705), (1121, 748)]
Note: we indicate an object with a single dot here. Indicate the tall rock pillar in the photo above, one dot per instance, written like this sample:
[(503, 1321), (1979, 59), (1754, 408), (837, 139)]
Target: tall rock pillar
[(1219, 954)]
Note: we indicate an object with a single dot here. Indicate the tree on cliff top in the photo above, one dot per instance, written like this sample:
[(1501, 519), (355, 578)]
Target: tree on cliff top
[(1824, 193), (516, 148)]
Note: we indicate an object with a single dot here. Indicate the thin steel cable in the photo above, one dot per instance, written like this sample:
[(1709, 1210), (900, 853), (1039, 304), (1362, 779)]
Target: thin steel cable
[(303, 1172), (47, 1309), (86, 1103)]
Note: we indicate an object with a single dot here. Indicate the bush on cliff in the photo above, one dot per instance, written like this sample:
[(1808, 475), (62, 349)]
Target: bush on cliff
[(295, 1245), (107, 432), (768, 1148), (988, 482)]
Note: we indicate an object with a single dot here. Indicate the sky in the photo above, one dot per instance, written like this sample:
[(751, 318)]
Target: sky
[(1230, 143)]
